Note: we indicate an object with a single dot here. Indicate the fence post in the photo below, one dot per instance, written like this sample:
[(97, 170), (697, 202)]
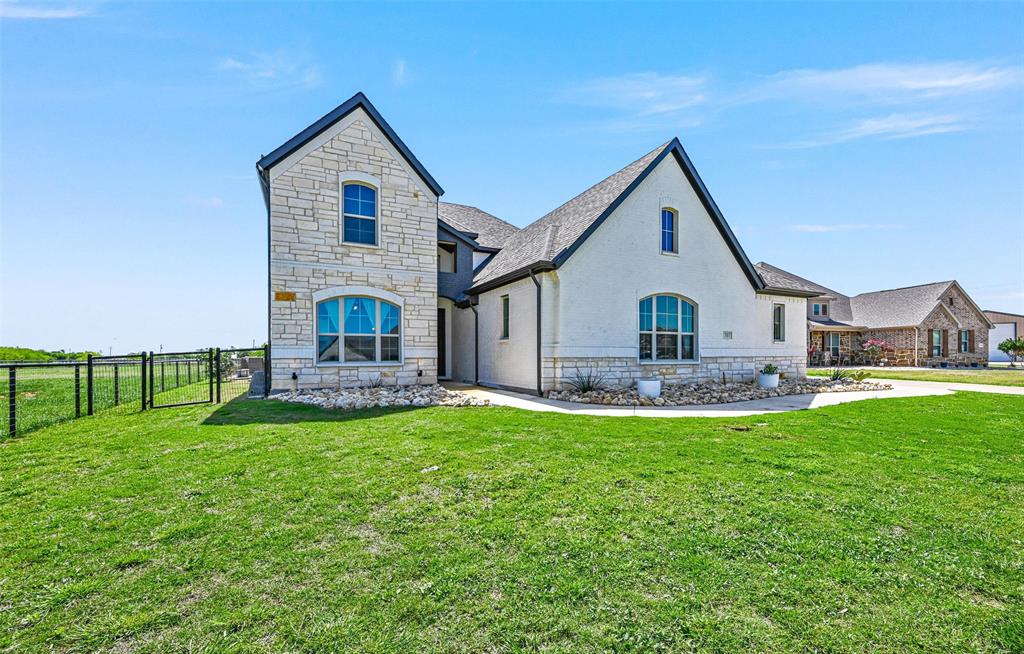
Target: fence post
[(117, 387), (142, 381), (78, 391), (218, 375), (177, 375), (12, 402), (152, 383), (188, 370), (163, 384), (88, 385), (209, 362)]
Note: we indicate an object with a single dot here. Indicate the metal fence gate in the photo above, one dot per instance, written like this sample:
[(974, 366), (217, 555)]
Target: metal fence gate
[(34, 395)]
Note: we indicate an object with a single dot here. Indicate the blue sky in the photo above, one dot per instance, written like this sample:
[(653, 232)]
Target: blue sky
[(863, 146)]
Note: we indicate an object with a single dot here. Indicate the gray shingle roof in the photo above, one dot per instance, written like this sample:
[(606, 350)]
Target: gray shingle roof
[(548, 237), (839, 308), (491, 231), (898, 307)]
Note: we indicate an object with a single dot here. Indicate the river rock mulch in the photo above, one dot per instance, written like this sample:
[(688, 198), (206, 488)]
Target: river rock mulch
[(713, 392), (381, 396)]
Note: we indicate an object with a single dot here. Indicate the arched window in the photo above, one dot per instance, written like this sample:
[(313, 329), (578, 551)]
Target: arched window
[(669, 230), (668, 329), (354, 329), (359, 214)]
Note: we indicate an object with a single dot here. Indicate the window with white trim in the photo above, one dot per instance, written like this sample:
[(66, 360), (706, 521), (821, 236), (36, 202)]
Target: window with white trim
[(669, 230), (833, 344), (668, 329), (779, 322), (820, 309), (359, 214), (356, 329)]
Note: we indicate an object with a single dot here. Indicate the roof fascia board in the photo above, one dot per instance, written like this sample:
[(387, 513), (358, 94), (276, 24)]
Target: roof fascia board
[(462, 236), (789, 292), (991, 325), (358, 101), (514, 276), (676, 149)]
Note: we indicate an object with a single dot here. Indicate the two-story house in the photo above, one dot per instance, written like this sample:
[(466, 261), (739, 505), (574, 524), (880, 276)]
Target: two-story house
[(372, 277)]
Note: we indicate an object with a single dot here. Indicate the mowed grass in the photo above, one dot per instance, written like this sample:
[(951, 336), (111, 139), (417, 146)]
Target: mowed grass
[(259, 526), (995, 376)]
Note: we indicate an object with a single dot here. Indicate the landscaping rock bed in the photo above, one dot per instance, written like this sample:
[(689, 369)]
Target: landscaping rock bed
[(382, 396), (713, 392)]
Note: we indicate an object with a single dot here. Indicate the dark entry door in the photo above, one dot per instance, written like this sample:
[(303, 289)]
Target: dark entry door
[(442, 351)]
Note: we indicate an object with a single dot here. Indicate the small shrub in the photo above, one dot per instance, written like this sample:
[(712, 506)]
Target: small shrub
[(585, 382), (838, 374), (375, 382), (769, 369), (858, 375)]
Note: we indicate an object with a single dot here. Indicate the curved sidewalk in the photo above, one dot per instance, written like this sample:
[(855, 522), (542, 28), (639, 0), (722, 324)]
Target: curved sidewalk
[(731, 409)]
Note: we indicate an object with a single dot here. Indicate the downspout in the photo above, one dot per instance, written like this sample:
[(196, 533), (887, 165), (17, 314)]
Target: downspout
[(268, 384), (536, 282), (917, 335), (476, 344)]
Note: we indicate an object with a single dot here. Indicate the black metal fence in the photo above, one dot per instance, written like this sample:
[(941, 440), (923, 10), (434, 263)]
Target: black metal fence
[(34, 395)]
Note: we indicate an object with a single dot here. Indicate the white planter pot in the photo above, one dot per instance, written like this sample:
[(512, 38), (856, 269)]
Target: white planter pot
[(649, 387), (768, 381)]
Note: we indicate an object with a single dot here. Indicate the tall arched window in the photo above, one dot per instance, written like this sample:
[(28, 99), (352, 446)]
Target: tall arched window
[(359, 214), (355, 329), (668, 329)]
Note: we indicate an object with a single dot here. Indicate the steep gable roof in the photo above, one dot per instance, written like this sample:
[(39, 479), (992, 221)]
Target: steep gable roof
[(551, 240), (357, 101), (777, 278), (489, 231)]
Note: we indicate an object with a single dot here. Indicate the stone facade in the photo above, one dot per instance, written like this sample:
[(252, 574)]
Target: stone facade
[(623, 372), (307, 255)]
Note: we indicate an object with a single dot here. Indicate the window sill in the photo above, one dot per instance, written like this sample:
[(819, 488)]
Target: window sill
[(503, 340), (668, 362), (362, 246), (670, 254), (357, 364)]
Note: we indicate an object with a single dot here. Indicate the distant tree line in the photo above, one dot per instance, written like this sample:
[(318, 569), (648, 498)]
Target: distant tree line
[(42, 356)]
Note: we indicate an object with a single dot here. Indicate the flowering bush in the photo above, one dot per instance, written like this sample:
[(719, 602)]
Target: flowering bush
[(876, 346)]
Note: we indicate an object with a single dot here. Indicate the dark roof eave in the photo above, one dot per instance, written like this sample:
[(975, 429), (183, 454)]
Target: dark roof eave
[(359, 100), (514, 276), (458, 233), (790, 292)]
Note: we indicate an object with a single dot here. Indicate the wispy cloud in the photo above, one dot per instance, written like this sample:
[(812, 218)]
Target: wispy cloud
[(840, 227), (893, 126), (645, 94), (398, 74), (204, 202), (887, 82), (18, 11), (276, 70)]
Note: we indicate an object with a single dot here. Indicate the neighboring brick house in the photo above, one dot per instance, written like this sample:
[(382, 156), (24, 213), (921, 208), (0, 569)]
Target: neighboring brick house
[(372, 277), (926, 325)]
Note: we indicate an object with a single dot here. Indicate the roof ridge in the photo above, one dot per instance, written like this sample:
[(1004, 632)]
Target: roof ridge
[(904, 288)]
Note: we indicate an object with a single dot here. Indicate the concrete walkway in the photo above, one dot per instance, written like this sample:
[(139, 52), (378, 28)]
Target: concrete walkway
[(732, 409)]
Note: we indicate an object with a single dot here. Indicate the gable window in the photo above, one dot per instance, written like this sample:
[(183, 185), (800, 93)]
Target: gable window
[(359, 214), (446, 257), (668, 329), (820, 309), (779, 322), (504, 317), (669, 231), (936, 343), (358, 329), (965, 340)]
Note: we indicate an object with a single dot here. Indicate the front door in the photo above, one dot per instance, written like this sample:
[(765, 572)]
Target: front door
[(442, 338)]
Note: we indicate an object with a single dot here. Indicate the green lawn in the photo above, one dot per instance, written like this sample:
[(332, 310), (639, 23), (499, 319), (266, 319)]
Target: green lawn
[(997, 376), (257, 526)]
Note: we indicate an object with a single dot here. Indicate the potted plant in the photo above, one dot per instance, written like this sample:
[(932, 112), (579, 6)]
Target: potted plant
[(768, 376)]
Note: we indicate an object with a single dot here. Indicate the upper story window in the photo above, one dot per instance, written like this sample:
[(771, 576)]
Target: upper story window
[(504, 317), (669, 231), (779, 322), (446, 257), (367, 329), (359, 214), (668, 329), (820, 309)]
